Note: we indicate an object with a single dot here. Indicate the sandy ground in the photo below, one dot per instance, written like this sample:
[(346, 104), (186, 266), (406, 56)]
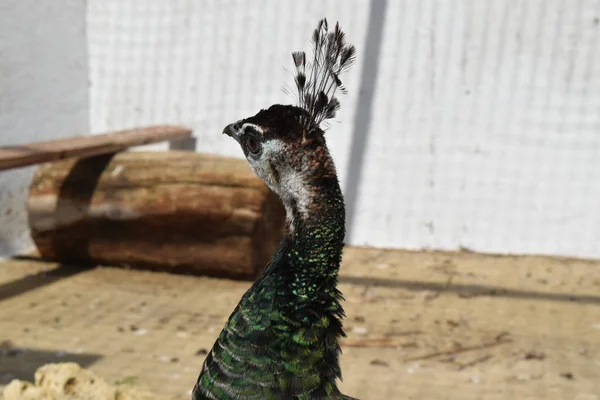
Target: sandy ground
[(420, 325)]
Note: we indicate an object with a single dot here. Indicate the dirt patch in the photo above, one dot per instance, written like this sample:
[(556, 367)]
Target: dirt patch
[(420, 325)]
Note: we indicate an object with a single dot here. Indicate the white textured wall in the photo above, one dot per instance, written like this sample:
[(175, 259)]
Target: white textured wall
[(486, 128), (43, 93), (469, 124)]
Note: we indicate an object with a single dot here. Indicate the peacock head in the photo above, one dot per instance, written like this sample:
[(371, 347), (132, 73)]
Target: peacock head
[(277, 147), (285, 144)]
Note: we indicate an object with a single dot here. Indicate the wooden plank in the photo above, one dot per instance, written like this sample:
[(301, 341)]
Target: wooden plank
[(86, 146)]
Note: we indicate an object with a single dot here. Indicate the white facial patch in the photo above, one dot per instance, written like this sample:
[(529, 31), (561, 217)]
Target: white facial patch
[(255, 127), (291, 186)]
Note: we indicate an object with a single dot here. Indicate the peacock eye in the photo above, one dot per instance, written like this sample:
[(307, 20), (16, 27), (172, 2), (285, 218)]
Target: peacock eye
[(252, 145)]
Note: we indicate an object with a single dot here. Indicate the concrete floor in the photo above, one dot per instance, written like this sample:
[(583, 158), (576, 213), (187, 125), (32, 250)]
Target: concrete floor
[(420, 325)]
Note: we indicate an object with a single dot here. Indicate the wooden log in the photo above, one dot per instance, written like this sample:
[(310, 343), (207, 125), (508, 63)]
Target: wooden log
[(175, 210)]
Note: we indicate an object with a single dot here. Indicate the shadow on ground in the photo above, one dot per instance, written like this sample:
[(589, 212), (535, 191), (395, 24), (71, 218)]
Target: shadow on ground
[(21, 363), (466, 291), (37, 280)]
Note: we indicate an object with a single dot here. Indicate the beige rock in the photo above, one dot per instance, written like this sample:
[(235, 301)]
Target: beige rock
[(23, 390), (68, 381)]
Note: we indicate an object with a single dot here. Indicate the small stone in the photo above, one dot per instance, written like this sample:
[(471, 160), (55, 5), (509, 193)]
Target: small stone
[(8, 348), (379, 363), (361, 330), (452, 323), (534, 355), (429, 295), (567, 375), (6, 344), (413, 368)]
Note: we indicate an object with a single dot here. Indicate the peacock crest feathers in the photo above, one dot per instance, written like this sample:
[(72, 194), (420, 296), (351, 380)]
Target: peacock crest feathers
[(317, 81)]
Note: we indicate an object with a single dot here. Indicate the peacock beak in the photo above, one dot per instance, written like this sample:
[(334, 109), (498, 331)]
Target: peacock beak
[(232, 130), (228, 130)]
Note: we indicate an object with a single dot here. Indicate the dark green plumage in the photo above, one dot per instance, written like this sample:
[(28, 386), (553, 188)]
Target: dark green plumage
[(282, 340)]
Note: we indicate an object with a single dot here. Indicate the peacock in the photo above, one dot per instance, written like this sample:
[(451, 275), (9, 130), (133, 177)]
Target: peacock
[(282, 339)]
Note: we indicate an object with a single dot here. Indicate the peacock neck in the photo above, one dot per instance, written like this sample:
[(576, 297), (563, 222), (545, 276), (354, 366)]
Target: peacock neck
[(314, 241)]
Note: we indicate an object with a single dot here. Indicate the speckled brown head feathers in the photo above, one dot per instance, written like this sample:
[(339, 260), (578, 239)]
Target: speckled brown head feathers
[(283, 122)]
